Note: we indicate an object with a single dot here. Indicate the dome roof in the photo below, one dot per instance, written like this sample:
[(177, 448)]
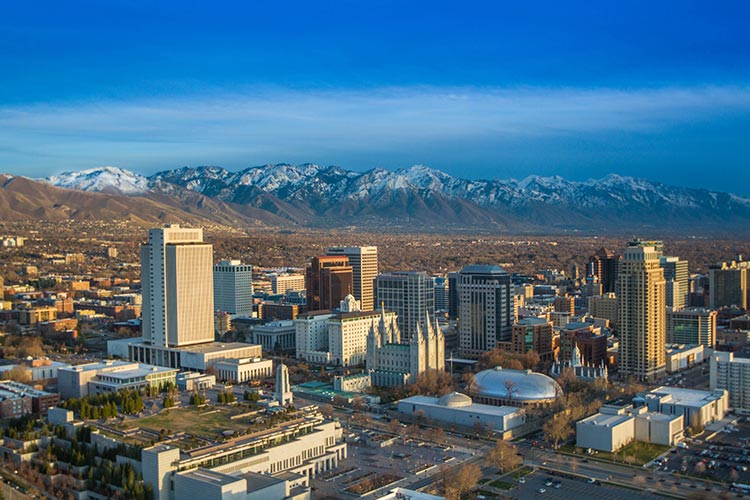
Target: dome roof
[(525, 385), (455, 400)]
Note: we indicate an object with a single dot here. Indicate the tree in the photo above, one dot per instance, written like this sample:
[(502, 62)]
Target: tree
[(567, 378), (469, 381), (461, 480), (18, 374), (558, 428), (168, 401), (394, 426), (326, 410), (436, 435), (504, 456), (511, 388)]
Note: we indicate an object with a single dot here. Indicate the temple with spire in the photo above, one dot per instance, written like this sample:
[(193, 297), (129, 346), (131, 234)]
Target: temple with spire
[(582, 371), (392, 363)]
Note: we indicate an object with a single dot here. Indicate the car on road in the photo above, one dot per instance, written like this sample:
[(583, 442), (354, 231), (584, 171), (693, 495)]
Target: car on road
[(541, 490), (591, 480), (522, 480)]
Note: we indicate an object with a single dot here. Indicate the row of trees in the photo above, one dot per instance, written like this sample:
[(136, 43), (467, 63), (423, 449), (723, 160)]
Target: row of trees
[(105, 405), (226, 396)]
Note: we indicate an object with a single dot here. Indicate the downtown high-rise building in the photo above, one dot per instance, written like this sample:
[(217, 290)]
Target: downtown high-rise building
[(441, 292), (410, 294), (677, 279), (177, 287), (604, 264), (364, 263), (233, 288), (692, 326), (641, 312), (485, 308), (329, 279), (729, 284), (453, 295)]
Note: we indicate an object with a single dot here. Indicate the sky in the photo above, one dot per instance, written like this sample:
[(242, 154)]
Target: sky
[(657, 90)]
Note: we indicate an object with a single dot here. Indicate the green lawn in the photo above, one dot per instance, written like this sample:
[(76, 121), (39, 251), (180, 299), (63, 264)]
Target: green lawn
[(521, 472), (207, 422), (503, 485), (487, 494), (636, 453)]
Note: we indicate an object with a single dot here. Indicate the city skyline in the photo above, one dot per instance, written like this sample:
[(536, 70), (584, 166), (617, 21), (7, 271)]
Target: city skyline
[(486, 91)]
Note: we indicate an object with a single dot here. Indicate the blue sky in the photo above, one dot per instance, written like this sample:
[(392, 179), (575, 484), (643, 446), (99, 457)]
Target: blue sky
[(659, 90)]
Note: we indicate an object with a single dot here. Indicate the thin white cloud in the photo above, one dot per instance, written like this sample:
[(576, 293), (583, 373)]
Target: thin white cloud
[(279, 124)]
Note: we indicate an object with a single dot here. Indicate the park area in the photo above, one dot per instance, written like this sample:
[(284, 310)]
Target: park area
[(211, 423)]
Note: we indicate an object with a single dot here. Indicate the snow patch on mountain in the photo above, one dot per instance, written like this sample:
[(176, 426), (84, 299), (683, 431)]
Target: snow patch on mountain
[(103, 179)]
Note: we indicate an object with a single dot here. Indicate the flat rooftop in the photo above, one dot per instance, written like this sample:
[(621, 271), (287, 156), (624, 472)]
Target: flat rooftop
[(256, 481), (686, 397), (210, 476), (207, 348), (659, 417), (139, 372), (605, 420)]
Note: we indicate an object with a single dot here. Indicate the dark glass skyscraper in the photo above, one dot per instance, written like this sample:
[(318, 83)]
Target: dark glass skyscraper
[(485, 310)]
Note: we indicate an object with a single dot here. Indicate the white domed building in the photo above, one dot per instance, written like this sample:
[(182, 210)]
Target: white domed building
[(459, 409), (498, 387)]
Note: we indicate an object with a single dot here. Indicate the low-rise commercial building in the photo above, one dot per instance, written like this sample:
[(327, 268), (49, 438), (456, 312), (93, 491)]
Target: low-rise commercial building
[(243, 370), (458, 409), (275, 336), (111, 376), (616, 426), (682, 357), (698, 408), (197, 357), (609, 430)]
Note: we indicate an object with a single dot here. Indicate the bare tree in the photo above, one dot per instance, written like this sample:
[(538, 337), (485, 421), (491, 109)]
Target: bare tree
[(511, 388), (327, 410), (469, 381), (558, 428), (461, 480), (504, 456)]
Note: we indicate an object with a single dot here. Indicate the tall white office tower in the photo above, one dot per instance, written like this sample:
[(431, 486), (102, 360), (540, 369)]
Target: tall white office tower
[(641, 312), (177, 287), (283, 393), (364, 263), (233, 288)]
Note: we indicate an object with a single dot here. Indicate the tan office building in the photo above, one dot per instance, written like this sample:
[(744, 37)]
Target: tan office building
[(641, 312)]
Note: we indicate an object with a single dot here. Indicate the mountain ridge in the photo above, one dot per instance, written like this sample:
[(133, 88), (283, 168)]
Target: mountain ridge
[(318, 196)]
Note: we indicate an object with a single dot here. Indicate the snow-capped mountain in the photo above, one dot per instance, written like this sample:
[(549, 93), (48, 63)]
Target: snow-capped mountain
[(102, 179), (310, 194)]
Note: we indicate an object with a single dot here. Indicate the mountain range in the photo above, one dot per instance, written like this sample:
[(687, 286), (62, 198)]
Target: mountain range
[(417, 198)]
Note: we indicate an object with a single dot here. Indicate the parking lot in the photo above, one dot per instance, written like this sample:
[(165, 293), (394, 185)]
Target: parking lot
[(409, 460), (575, 489)]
